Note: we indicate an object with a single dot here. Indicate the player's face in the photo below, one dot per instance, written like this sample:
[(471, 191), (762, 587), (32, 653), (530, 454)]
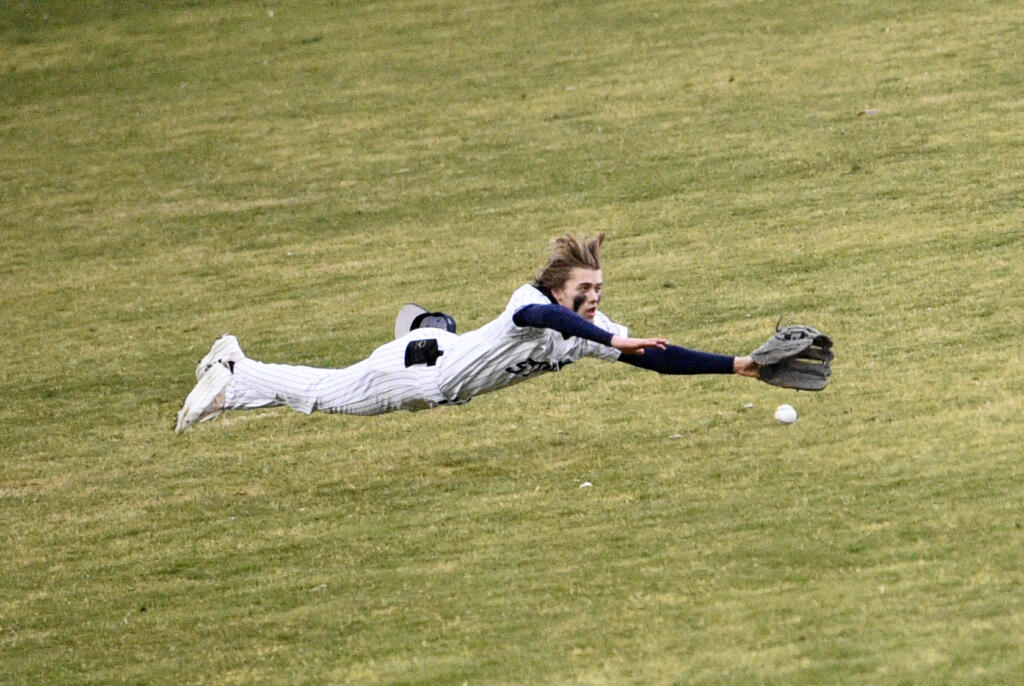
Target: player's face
[(582, 292)]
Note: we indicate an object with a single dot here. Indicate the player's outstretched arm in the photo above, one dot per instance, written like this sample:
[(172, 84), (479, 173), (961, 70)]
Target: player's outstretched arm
[(673, 359), (563, 320)]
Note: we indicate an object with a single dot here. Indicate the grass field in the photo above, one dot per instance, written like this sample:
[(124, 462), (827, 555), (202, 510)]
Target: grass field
[(293, 172)]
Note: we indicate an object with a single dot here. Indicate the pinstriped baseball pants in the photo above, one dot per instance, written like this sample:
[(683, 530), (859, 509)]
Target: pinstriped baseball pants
[(381, 383)]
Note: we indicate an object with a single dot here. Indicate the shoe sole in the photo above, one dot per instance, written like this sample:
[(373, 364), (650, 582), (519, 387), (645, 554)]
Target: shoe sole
[(202, 402)]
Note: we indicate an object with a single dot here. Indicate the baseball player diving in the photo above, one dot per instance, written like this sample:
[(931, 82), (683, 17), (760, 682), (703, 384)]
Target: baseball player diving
[(547, 324)]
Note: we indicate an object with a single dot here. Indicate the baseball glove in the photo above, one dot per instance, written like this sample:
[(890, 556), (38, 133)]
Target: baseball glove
[(797, 357)]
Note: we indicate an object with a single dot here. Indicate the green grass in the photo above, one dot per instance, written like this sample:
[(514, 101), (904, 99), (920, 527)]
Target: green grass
[(293, 172)]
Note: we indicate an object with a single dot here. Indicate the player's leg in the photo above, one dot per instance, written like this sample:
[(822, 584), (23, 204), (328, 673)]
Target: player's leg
[(227, 380), (248, 384), (379, 384), (258, 384), (384, 382)]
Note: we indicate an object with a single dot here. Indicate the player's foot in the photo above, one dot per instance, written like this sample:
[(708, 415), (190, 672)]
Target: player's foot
[(225, 351), (206, 401)]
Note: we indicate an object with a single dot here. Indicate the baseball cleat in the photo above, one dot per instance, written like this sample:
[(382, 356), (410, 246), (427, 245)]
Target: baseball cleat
[(206, 401), (225, 351)]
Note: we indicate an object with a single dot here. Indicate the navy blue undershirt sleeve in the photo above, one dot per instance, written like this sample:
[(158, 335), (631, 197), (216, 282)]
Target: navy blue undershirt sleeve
[(677, 360), (673, 360), (562, 320)]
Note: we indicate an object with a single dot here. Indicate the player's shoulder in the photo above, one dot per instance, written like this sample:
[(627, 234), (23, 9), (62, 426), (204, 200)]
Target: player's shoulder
[(527, 294)]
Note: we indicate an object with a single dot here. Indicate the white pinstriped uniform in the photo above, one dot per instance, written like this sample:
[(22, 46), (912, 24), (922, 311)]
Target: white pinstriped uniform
[(496, 355)]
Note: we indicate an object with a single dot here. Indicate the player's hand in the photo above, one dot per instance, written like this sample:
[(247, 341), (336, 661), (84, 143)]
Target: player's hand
[(636, 346), (745, 366)]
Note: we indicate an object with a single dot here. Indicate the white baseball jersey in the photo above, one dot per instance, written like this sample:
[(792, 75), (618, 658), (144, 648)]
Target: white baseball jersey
[(496, 355), (500, 353)]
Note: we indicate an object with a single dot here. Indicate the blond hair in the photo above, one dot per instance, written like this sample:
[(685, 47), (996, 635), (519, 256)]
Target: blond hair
[(567, 253)]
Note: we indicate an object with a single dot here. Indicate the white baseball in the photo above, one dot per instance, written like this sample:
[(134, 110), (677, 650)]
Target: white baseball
[(785, 414)]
